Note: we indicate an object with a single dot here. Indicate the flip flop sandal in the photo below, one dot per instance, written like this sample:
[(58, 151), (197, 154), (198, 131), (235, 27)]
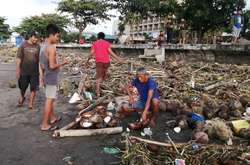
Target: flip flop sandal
[(20, 103), (59, 118), (51, 128)]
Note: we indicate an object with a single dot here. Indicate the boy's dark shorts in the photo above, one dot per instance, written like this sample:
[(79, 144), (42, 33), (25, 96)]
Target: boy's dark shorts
[(26, 80), (101, 70)]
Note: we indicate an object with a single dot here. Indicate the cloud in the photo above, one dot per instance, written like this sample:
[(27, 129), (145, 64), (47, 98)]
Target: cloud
[(15, 10)]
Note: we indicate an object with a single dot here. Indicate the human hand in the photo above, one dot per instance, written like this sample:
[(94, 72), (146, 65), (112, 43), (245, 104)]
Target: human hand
[(131, 100), (144, 116)]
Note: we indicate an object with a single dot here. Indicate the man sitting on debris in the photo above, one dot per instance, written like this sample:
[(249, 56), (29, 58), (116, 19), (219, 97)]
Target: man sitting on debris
[(148, 98), (101, 49), (27, 71)]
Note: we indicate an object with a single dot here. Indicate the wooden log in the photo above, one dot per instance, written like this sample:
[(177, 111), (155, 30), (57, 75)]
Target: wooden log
[(156, 142), (89, 132), (218, 84)]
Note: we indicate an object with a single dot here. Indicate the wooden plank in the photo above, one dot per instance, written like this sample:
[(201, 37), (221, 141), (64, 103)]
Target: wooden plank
[(90, 132)]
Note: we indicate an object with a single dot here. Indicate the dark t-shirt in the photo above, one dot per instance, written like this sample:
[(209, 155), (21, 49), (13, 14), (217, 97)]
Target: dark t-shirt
[(29, 55), (143, 88)]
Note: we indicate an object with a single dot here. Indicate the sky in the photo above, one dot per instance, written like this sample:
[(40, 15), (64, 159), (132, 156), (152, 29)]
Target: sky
[(15, 10)]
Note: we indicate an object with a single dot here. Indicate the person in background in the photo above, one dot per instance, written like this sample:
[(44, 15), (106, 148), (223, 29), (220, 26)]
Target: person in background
[(183, 32), (237, 25), (161, 38), (101, 50), (169, 31)]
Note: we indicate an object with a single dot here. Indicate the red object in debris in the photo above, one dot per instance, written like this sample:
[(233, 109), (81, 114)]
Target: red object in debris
[(81, 41)]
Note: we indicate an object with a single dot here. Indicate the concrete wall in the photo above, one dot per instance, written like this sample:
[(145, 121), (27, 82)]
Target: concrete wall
[(221, 55)]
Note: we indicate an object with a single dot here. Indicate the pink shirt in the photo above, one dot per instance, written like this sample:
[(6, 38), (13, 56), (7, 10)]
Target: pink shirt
[(101, 51)]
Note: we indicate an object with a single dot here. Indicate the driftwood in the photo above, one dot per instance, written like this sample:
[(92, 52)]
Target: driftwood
[(178, 145), (89, 132), (218, 84)]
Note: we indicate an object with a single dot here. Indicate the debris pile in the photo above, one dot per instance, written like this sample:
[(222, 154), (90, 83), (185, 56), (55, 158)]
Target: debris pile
[(143, 151), (8, 54)]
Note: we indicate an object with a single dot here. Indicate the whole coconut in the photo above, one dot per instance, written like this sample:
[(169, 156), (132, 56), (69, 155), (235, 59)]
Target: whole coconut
[(96, 118), (244, 100)]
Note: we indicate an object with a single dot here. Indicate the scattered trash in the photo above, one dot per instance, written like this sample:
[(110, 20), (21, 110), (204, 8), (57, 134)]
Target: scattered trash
[(247, 114), (111, 150), (68, 160), (143, 134), (179, 162), (195, 146), (88, 95), (111, 106), (148, 131), (127, 129), (74, 98), (240, 124), (177, 129), (107, 119), (230, 142)]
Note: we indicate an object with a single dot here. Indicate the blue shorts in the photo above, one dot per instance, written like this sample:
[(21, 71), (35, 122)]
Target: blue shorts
[(140, 105)]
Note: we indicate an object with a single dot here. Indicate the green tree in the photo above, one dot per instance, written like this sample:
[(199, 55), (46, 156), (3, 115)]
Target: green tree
[(68, 37), (85, 12), (209, 15), (145, 8), (39, 23), (246, 26), (4, 29)]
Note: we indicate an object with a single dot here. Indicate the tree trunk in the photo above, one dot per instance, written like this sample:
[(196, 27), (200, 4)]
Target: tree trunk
[(81, 29)]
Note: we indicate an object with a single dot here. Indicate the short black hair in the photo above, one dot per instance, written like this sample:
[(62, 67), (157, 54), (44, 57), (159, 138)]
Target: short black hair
[(52, 29), (101, 35), (141, 70), (31, 34)]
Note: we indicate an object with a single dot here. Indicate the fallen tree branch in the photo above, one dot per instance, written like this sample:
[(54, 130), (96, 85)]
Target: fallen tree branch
[(155, 142), (218, 84)]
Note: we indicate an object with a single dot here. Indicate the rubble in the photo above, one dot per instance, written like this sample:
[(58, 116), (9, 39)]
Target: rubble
[(8, 54), (217, 93)]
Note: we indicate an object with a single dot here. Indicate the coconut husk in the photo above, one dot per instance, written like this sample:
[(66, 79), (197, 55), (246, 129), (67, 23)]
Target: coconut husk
[(217, 128), (244, 100), (223, 112), (162, 106), (12, 84), (201, 137), (245, 133), (235, 113), (96, 118), (113, 122), (65, 87), (234, 105), (82, 105), (183, 124), (208, 112), (197, 109)]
